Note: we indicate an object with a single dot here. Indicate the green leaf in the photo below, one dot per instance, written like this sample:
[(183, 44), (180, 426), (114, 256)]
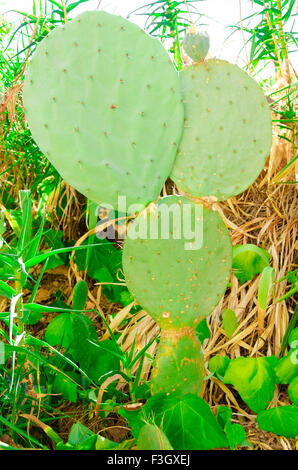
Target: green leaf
[(293, 339), (6, 290), (80, 295), (203, 331), (230, 322), (234, 431), (287, 368), (31, 318), (82, 438), (187, 422), (26, 227), (104, 266), (59, 331), (218, 365), (254, 379), (72, 331), (99, 358), (105, 444), (151, 437), (249, 260), (293, 390), (282, 421), (79, 433), (266, 282), (66, 387)]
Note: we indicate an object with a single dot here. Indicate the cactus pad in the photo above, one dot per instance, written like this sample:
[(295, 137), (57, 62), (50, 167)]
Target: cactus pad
[(103, 102), (227, 135), (179, 364), (177, 285), (196, 45)]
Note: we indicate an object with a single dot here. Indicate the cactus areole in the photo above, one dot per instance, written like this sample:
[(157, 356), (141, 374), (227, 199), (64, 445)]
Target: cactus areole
[(103, 103), (178, 280)]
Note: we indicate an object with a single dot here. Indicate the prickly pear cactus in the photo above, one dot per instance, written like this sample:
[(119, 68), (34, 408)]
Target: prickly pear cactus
[(103, 102), (196, 44), (227, 131), (177, 259)]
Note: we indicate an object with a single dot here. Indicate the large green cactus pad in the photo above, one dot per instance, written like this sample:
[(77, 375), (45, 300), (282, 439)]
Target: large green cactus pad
[(175, 284), (227, 135), (179, 364), (103, 102)]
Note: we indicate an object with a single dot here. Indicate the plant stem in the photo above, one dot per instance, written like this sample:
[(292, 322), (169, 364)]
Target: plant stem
[(282, 41), (19, 304)]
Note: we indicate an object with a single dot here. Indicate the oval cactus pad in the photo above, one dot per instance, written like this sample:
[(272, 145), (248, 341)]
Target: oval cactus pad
[(227, 131), (103, 102), (177, 259)]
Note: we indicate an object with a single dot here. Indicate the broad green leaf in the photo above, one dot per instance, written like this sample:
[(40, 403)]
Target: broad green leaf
[(230, 322), (287, 368), (59, 331), (80, 294), (72, 331), (82, 438), (78, 434), (282, 421), (266, 282), (254, 379), (66, 387), (105, 444), (187, 422), (83, 330), (202, 330), (293, 390), (218, 365), (98, 359), (151, 437), (249, 260)]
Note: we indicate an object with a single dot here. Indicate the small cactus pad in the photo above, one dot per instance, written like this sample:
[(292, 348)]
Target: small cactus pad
[(177, 259), (103, 102), (227, 131), (196, 44), (179, 364)]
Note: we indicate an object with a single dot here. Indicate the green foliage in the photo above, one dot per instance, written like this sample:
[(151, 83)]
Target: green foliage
[(168, 20), (151, 437), (104, 266), (187, 422), (249, 260), (254, 379), (287, 368), (235, 433), (82, 438), (293, 390), (203, 331), (80, 294), (268, 40), (229, 321), (218, 365), (282, 421)]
